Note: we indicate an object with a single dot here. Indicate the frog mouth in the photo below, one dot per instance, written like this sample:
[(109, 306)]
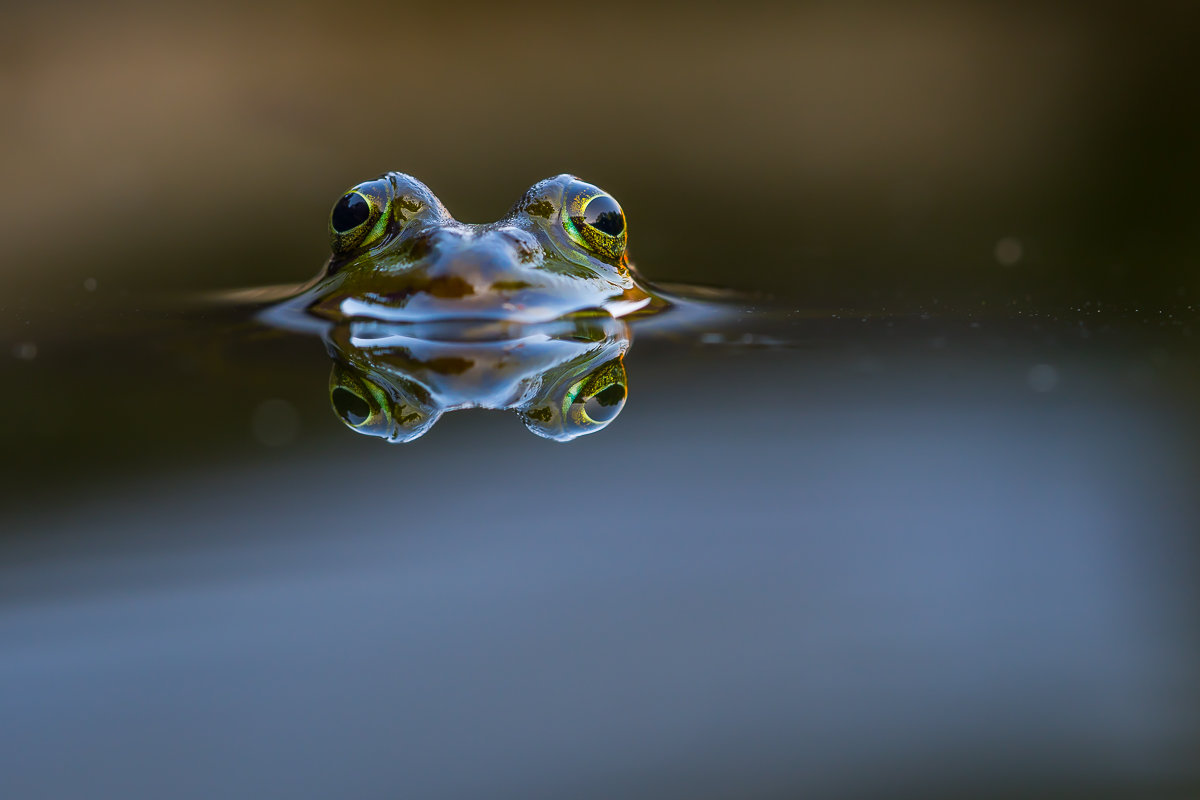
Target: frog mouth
[(523, 309), (304, 313)]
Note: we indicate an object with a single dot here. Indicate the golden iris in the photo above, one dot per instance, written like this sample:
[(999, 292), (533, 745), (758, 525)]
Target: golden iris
[(593, 219), (359, 403), (360, 216), (599, 397)]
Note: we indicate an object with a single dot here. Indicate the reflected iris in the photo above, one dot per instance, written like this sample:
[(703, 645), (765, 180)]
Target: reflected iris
[(350, 407), (605, 405)]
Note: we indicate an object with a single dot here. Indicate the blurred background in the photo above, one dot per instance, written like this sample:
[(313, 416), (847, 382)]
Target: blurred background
[(922, 521), (830, 149)]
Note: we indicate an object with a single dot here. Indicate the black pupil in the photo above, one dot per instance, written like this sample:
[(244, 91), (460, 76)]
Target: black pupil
[(350, 212), (605, 404), (603, 214), (351, 407)]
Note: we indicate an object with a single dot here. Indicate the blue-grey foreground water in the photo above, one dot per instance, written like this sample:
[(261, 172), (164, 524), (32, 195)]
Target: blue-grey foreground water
[(887, 558)]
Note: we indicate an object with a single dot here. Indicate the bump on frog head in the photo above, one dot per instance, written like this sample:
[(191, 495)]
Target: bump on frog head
[(372, 213)]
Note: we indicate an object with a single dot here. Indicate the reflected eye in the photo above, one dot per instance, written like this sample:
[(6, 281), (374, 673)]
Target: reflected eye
[(594, 220), (605, 404), (353, 410), (359, 403), (350, 212), (586, 407), (398, 410), (598, 398)]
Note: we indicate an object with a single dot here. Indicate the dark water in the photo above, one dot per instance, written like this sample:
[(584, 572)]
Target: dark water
[(915, 515)]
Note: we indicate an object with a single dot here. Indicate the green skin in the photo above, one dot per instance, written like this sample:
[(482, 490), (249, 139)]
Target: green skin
[(411, 262), (424, 314)]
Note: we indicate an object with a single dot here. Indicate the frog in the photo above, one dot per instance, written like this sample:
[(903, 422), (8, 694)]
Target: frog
[(399, 256), (423, 314)]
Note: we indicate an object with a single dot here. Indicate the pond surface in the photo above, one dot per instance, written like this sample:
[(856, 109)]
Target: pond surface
[(895, 495), (831, 551)]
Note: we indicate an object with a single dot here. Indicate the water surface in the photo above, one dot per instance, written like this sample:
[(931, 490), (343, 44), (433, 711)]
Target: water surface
[(910, 513)]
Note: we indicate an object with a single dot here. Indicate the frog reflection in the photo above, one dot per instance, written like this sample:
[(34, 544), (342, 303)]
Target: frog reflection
[(563, 379), (424, 314)]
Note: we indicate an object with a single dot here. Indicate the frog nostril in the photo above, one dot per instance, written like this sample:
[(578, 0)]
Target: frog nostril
[(450, 287)]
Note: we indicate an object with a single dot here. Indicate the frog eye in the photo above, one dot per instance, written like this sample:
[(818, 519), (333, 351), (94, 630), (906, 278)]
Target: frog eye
[(350, 212), (594, 220), (360, 216)]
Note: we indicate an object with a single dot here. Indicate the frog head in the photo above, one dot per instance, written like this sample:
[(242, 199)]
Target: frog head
[(398, 256)]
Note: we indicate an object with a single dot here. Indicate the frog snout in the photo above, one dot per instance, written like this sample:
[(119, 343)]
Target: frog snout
[(494, 275), (469, 271), (491, 276)]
